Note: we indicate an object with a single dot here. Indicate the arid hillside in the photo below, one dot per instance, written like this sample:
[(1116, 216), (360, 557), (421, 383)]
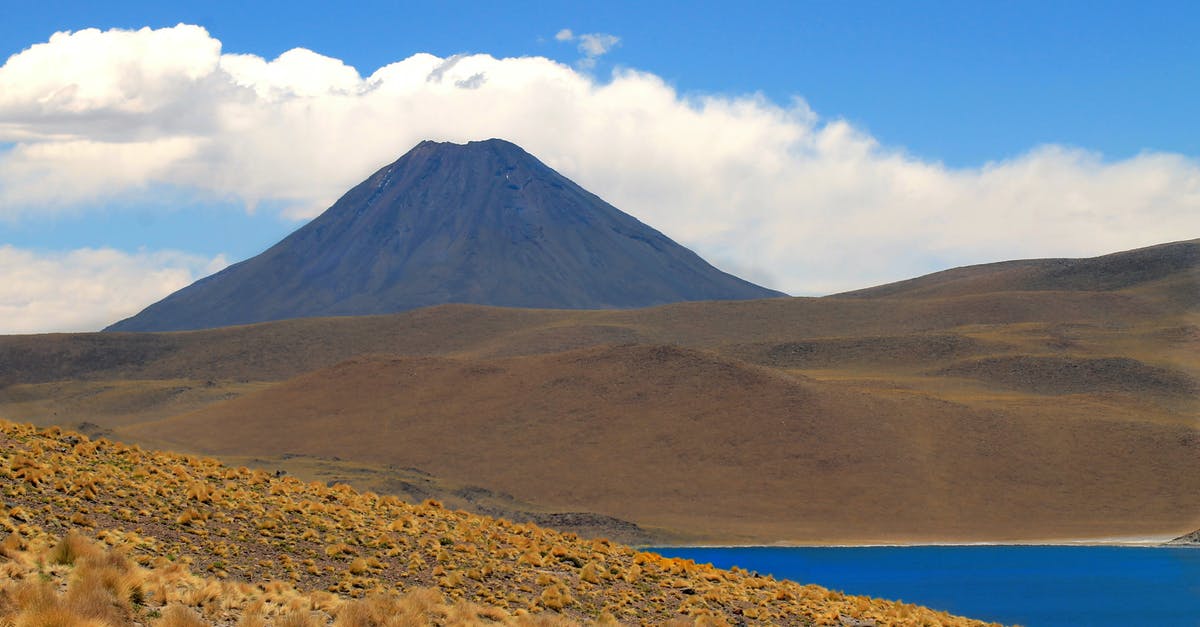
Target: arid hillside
[(1018, 401), (98, 533), (680, 439)]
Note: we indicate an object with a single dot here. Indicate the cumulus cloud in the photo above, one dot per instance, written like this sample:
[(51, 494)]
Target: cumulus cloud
[(88, 289), (773, 191)]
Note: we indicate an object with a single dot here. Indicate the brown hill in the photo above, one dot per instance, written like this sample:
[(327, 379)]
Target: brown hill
[(278, 350), (1165, 263), (710, 446), (958, 414)]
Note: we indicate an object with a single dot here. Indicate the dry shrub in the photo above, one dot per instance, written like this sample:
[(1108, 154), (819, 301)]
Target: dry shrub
[(38, 605), (359, 566), (593, 573), (199, 491), (340, 548), (88, 596), (189, 515), (33, 597), (453, 579), (82, 519), (10, 571), (354, 614), (72, 547), (322, 601), (179, 616), (532, 558), (205, 595), (12, 546), (555, 597), (420, 606)]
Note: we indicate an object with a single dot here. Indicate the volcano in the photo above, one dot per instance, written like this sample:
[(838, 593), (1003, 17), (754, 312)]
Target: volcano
[(482, 223)]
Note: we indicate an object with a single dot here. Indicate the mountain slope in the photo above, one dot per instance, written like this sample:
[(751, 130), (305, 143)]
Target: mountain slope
[(482, 223)]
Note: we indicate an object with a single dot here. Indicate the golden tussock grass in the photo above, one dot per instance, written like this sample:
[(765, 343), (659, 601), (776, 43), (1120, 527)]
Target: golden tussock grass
[(334, 556)]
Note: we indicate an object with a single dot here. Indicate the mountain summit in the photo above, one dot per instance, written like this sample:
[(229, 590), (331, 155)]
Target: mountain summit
[(483, 223)]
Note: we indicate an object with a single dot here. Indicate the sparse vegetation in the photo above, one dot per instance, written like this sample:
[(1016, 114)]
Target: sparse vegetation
[(389, 564)]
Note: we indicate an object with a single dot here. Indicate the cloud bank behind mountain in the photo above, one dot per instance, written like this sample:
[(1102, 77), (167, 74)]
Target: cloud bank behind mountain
[(772, 192)]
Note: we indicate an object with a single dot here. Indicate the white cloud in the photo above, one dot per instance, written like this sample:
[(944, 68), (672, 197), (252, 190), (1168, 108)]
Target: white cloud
[(596, 44), (591, 45), (802, 203), (297, 72), (121, 71), (88, 289), (56, 174)]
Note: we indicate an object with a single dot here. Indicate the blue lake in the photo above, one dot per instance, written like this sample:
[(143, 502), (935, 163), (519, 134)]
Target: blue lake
[(1029, 585)]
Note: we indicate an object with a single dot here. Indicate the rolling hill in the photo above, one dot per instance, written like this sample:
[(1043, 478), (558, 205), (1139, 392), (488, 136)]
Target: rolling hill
[(948, 412), (1177, 262), (669, 437)]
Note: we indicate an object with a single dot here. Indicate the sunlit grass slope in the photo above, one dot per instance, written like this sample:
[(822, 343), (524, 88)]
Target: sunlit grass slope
[(100, 533)]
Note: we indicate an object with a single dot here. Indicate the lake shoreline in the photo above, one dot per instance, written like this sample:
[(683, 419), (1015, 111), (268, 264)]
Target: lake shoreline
[(1138, 542)]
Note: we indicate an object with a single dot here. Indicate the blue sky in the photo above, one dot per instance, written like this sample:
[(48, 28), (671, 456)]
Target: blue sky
[(1077, 117), (959, 82)]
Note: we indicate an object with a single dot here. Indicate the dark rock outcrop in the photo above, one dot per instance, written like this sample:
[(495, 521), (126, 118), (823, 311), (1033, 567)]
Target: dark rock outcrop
[(1190, 539)]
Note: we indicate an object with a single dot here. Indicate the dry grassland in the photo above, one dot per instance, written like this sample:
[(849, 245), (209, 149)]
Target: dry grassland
[(98, 533)]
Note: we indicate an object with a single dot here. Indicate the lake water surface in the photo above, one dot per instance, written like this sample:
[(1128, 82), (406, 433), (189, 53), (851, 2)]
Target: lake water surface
[(1029, 585)]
